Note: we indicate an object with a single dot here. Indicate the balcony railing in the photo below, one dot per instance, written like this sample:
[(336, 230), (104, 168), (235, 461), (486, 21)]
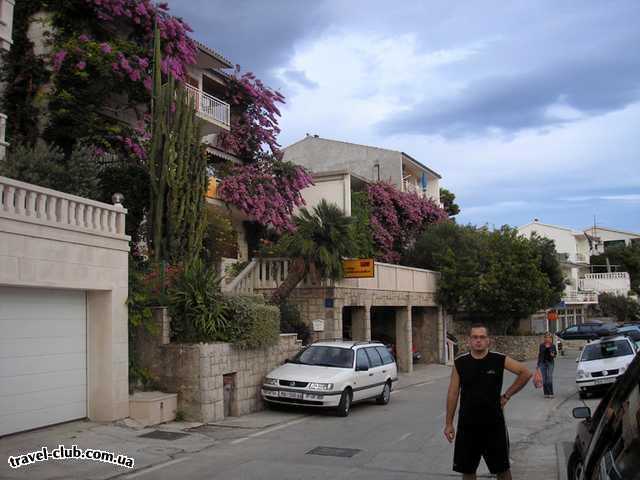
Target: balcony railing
[(579, 297), (209, 107), (269, 273), (411, 187), (615, 282)]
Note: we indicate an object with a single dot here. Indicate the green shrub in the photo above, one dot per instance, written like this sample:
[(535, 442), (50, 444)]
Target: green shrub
[(255, 324), (290, 322), (197, 307)]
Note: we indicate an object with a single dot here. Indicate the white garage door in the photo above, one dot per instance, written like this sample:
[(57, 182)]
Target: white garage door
[(43, 357)]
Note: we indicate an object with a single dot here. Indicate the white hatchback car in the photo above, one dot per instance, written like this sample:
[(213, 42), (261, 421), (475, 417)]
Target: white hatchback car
[(333, 374), (602, 361)]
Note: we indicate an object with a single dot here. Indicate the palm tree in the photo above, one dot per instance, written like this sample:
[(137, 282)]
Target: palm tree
[(320, 242)]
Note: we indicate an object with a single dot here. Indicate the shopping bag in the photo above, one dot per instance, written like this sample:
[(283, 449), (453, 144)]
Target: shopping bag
[(537, 378)]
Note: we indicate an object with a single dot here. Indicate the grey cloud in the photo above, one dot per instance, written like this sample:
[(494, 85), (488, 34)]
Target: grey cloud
[(515, 102), (256, 35), (300, 77)]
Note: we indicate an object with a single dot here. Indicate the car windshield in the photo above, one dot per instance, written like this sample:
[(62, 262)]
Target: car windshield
[(326, 357), (602, 350), (629, 329)]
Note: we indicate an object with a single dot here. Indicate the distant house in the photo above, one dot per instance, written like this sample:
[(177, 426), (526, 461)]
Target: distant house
[(583, 286), (603, 238), (370, 163)]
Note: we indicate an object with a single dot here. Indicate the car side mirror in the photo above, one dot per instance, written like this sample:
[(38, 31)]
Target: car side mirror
[(362, 368), (577, 359), (582, 412), (287, 360)]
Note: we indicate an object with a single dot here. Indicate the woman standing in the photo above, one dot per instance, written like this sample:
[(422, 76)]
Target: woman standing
[(546, 356)]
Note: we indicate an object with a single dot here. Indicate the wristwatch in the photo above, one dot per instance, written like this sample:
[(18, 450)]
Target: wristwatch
[(508, 397)]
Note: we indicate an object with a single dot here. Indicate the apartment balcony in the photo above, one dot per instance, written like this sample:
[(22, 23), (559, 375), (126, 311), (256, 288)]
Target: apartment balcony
[(576, 258), (617, 283), (579, 297), (432, 191), (209, 108)]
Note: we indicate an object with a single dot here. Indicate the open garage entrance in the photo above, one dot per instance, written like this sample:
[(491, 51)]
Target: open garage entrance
[(383, 325)]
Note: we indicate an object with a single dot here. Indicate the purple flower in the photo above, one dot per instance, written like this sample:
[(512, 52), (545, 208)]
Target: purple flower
[(58, 58), (83, 38), (105, 48)]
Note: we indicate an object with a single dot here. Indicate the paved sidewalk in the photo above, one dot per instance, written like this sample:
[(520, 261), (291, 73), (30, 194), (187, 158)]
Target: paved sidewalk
[(123, 437)]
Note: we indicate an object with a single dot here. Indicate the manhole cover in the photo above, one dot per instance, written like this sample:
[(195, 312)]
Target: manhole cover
[(334, 452), (163, 435)]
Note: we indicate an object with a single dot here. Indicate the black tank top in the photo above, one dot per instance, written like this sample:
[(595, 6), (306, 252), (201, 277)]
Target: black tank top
[(481, 387)]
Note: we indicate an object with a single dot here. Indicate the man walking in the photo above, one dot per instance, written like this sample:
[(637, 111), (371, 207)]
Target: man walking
[(482, 432)]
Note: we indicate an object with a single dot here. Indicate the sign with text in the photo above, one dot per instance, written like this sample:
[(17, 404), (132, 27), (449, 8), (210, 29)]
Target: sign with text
[(359, 268)]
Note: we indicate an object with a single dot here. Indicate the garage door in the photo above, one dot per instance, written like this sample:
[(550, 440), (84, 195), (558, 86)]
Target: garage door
[(43, 357)]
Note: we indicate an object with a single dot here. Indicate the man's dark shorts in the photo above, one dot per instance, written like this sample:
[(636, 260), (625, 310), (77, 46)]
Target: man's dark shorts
[(476, 441)]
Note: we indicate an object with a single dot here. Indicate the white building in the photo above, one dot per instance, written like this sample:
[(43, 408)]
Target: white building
[(371, 163), (583, 286), (603, 238)]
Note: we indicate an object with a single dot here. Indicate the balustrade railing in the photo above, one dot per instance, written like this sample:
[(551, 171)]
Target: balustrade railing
[(43, 205), (209, 106)]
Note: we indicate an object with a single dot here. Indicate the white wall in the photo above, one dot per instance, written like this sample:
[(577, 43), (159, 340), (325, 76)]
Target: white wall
[(334, 188), (564, 239)]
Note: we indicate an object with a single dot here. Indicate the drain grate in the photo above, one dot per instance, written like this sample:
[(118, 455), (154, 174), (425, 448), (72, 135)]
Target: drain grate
[(164, 435), (334, 452)]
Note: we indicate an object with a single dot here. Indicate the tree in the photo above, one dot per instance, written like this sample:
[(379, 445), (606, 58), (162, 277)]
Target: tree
[(627, 259), (494, 276), (624, 309), (321, 240), (177, 170), (447, 199), (550, 266)]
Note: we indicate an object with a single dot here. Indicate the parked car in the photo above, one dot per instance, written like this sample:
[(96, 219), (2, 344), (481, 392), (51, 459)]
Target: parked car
[(334, 375), (587, 331), (602, 361), (607, 443), (631, 331)]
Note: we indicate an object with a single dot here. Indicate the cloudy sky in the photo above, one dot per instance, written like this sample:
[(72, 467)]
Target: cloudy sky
[(527, 109)]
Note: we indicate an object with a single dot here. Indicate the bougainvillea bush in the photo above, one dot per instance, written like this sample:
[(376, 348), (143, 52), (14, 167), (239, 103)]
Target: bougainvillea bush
[(267, 190), (254, 127), (397, 218)]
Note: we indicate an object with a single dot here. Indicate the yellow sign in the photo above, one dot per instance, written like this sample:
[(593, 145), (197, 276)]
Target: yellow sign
[(359, 268)]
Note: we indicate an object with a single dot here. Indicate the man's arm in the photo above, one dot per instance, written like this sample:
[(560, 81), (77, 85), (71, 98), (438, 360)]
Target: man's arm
[(452, 403), (524, 375)]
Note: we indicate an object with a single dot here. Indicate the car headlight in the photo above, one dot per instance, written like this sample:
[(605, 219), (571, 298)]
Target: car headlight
[(321, 386), (271, 381), (622, 369), (581, 374)]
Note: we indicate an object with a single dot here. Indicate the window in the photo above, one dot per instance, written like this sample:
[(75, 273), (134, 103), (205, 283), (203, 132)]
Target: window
[(619, 348), (608, 244), (572, 330), (385, 354), (326, 357), (362, 361), (374, 357)]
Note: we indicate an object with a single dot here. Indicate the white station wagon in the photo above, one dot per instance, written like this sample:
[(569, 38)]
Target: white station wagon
[(335, 375), (602, 361)]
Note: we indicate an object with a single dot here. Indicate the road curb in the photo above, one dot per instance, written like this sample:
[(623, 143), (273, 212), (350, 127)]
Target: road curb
[(562, 460)]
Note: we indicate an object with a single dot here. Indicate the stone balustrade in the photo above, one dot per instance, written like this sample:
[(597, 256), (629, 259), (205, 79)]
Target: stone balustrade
[(34, 204)]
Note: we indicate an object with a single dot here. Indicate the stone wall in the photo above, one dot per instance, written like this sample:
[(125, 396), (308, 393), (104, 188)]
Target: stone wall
[(519, 347), (196, 372)]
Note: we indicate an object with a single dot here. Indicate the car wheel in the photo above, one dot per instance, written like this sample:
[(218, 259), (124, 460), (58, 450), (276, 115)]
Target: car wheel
[(574, 466), (344, 408), (385, 396)]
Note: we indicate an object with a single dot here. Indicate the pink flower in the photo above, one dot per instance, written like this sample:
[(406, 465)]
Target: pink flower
[(81, 65), (58, 59), (83, 38), (105, 48)]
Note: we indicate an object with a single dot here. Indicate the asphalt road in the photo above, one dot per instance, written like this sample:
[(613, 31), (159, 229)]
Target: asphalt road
[(402, 440)]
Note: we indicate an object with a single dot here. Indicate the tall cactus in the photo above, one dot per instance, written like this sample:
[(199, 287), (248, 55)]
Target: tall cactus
[(178, 170)]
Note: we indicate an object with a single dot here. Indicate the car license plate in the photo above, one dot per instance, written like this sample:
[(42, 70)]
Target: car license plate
[(601, 381), (294, 395)]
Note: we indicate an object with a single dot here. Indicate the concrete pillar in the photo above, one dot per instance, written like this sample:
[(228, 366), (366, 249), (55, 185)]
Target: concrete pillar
[(403, 339), (361, 323), (442, 337)]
